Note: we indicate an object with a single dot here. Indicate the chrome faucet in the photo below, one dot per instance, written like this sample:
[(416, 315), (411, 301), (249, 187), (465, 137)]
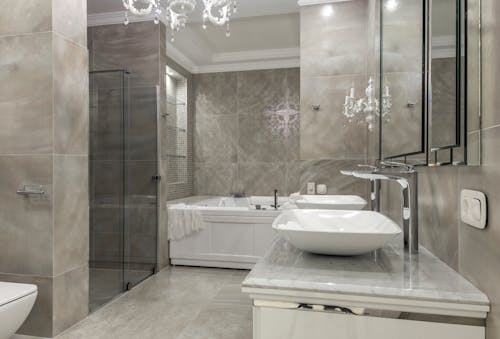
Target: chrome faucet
[(406, 176), (275, 206)]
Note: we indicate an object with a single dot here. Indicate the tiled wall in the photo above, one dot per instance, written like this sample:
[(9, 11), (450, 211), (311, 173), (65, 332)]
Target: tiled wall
[(335, 54), (474, 253), (236, 148), (44, 140)]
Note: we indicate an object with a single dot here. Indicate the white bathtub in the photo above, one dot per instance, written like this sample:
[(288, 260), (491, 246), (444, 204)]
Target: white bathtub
[(236, 235)]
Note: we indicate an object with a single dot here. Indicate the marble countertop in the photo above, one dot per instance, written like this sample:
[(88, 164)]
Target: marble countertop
[(389, 272)]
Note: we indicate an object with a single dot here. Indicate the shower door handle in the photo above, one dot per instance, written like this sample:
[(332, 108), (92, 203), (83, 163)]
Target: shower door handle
[(156, 178)]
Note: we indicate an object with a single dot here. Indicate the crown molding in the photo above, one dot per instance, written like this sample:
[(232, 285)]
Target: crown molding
[(266, 54), (181, 58), (113, 18), (248, 66), (318, 2)]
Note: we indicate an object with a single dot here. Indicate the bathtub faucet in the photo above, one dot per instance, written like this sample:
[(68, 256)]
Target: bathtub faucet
[(275, 206)]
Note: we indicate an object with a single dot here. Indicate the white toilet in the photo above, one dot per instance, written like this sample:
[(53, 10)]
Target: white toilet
[(16, 302)]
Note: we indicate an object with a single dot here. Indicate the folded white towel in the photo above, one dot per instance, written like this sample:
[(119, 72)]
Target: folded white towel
[(183, 220)]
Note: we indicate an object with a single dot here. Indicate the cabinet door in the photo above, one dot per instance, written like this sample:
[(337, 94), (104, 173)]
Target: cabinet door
[(274, 323)]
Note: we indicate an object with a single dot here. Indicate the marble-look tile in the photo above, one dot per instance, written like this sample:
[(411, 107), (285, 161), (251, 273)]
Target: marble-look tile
[(70, 20), (257, 91), (215, 178), (481, 246), (402, 34), (220, 322), (71, 298), (26, 94), (326, 134), (261, 178), (443, 119), (26, 17), (490, 55), (141, 131), (259, 141), (71, 213), (403, 133), (327, 172), (216, 94), (71, 97), (133, 47), (178, 302), (39, 321), (107, 118), (26, 221), (438, 212), (106, 181), (216, 138), (330, 45), (139, 179)]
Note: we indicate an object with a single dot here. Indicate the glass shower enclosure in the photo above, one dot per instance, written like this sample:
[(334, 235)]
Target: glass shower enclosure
[(123, 185)]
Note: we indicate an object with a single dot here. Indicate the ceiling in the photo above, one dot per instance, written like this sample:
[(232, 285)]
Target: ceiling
[(246, 8), (264, 34)]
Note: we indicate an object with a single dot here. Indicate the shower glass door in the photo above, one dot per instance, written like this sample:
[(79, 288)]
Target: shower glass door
[(123, 188)]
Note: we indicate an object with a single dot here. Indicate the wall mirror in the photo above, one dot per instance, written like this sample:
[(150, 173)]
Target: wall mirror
[(435, 111)]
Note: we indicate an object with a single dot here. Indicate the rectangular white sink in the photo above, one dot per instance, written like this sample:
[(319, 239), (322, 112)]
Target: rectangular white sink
[(331, 202), (336, 232)]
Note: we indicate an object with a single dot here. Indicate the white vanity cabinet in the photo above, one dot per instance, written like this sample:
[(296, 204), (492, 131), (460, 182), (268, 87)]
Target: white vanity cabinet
[(276, 323), (388, 294)]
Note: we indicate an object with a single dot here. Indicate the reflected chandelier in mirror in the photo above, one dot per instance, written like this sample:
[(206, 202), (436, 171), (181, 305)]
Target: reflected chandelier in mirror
[(367, 109)]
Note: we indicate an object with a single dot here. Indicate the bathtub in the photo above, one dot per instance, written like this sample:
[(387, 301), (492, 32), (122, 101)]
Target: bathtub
[(236, 234)]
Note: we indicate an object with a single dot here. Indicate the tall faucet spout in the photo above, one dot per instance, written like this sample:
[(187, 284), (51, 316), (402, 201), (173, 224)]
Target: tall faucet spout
[(407, 178)]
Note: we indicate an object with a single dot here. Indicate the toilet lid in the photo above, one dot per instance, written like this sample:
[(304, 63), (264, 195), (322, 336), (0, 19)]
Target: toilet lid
[(13, 291)]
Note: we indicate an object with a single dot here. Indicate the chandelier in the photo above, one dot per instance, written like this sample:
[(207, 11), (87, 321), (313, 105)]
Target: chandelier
[(366, 110), (176, 12)]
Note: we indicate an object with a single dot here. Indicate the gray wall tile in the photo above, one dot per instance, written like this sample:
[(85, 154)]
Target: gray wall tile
[(26, 94), (71, 88), (26, 227), (71, 213), (70, 20), (70, 289), (26, 17)]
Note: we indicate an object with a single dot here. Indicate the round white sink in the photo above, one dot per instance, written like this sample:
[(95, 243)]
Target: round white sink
[(336, 232)]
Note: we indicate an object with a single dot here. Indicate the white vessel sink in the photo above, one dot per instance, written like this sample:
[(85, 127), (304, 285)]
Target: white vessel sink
[(331, 202), (336, 232)]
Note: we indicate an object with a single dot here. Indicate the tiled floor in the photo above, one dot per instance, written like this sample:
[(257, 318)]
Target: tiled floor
[(177, 303)]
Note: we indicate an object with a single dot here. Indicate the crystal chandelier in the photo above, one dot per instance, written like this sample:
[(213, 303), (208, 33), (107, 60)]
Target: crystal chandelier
[(365, 110), (176, 12)]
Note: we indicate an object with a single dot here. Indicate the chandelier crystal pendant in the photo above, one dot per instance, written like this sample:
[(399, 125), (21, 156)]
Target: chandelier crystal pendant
[(367, 109), (176, 12)]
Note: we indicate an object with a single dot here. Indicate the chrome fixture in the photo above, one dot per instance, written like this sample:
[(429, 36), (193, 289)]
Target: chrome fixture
[(176, 12), (275, 206), (366, 109), (406, 176), (30, 190)]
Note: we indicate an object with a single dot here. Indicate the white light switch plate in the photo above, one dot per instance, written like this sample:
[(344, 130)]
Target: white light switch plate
[(473, 208)]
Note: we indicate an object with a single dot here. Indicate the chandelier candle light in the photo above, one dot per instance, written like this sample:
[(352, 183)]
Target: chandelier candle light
[(365, 110), (176, 12)]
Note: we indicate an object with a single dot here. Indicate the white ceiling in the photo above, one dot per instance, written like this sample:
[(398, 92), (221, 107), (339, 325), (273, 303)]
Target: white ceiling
[(246, 8), (264, 34)]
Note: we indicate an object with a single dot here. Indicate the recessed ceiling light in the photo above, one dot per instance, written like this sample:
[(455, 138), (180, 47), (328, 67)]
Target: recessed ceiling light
[(327, 11), (391, 5)]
